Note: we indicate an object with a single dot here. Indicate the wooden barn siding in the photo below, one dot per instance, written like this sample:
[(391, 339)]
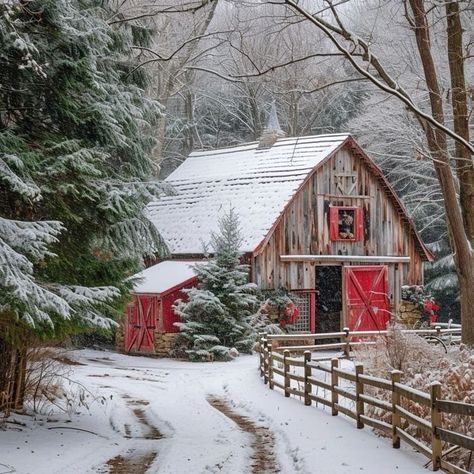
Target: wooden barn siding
[(304, 229)]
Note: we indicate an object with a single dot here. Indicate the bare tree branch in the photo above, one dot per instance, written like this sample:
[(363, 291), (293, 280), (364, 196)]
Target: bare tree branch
[(193, 8), (389, 84)]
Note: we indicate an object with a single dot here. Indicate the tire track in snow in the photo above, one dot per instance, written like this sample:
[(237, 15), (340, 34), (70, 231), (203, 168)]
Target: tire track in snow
[(288, 455), (263, 445), (135, 462)]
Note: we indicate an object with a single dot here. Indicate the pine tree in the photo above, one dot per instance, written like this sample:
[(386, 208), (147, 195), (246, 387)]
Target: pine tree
[(216, 316), (74, 168)]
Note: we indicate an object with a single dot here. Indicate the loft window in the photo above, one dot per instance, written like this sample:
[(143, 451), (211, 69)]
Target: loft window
[(345, 223)]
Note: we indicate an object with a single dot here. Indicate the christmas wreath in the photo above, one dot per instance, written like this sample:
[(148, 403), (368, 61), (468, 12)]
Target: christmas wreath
[(280, 308), (290, 314)]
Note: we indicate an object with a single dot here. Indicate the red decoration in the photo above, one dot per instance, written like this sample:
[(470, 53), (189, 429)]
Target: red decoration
[(430, 306), (286, 314), (290, 314)]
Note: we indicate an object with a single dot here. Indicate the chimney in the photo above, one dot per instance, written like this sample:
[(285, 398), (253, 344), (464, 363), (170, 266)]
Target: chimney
[(272, 132)]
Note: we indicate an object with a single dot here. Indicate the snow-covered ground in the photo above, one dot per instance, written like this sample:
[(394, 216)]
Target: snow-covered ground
[(160, 406)]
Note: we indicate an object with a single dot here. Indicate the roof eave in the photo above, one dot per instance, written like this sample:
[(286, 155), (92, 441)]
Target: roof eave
[(166, 292)]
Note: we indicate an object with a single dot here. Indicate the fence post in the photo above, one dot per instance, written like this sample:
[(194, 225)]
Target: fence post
[(347, 347), (262, 353), (435, 392), (264, 350), (438, 331), (286, 371), (270, 366), (334, 382), (307, 374), (395, 376), (359, 369)]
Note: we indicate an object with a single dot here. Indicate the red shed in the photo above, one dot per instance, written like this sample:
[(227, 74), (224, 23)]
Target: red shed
[(149, 319)]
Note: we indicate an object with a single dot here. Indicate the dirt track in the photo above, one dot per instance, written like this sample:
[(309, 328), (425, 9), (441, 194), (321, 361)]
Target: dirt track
[(263, 444), (131, 463)]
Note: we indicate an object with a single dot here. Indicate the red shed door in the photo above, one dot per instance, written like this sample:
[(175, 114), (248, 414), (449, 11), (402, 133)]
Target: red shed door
[(367, 300), (141, 324)]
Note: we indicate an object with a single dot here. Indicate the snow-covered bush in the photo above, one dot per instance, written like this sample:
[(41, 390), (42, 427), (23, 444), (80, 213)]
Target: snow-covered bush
[(216, 317), (261, 323), (415, 294)]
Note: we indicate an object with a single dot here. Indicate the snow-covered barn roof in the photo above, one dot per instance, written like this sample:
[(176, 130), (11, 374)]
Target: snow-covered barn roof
[(164, 276), (257, 183)]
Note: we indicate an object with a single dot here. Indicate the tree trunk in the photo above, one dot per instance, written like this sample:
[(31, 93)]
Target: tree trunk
[(464, 162), (437, 143), (254, 113), (12, 377), (160, 133), (466, 297), (190, 132)]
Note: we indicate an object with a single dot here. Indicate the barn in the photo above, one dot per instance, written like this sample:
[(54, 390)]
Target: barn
[(318, 218)]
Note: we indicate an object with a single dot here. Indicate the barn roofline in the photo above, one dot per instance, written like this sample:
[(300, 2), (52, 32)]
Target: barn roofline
[(182, 284), (386, 186)]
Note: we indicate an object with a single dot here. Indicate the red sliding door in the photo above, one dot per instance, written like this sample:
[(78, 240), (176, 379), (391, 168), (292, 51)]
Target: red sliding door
[(367, 301)]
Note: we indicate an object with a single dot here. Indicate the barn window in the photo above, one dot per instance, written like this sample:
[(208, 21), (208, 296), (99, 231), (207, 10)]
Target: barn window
[(345, 223)]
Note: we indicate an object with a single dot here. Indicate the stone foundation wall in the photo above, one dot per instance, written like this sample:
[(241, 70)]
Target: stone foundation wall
[(120, 335), (165, 342), (408, 313)]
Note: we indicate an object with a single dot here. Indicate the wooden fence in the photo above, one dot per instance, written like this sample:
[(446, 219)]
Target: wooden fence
[(276, 369), (351, 339)]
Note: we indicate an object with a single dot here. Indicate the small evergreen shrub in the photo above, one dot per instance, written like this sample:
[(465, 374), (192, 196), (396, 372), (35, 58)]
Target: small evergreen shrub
[(216, 317)]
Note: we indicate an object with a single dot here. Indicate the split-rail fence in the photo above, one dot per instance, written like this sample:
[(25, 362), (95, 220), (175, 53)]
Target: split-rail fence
[(277, 358)]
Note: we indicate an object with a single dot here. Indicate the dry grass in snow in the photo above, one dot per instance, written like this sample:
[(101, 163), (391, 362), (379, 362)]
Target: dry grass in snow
[(423, 363)]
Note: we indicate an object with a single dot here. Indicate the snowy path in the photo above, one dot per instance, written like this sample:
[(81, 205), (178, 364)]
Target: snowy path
[(157, 419)]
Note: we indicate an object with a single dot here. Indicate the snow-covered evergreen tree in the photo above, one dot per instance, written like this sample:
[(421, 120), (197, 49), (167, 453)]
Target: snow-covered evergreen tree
[(74, 160), (74, 166), (216, 316)]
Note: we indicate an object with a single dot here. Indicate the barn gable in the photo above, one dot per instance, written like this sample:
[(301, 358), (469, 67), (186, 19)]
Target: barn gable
[(303, 234)]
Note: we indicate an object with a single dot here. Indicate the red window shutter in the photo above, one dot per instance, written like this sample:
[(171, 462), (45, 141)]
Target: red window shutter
[(334, 223), (359, 224)]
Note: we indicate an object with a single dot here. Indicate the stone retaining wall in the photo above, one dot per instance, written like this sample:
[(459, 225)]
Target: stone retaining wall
[(408, 313)]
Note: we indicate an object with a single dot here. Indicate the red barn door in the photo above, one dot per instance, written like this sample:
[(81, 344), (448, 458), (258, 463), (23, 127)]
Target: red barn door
[(367, 300), (141, 324)]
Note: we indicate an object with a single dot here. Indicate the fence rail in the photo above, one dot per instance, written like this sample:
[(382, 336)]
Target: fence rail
[(348, 340), (275, 367)]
